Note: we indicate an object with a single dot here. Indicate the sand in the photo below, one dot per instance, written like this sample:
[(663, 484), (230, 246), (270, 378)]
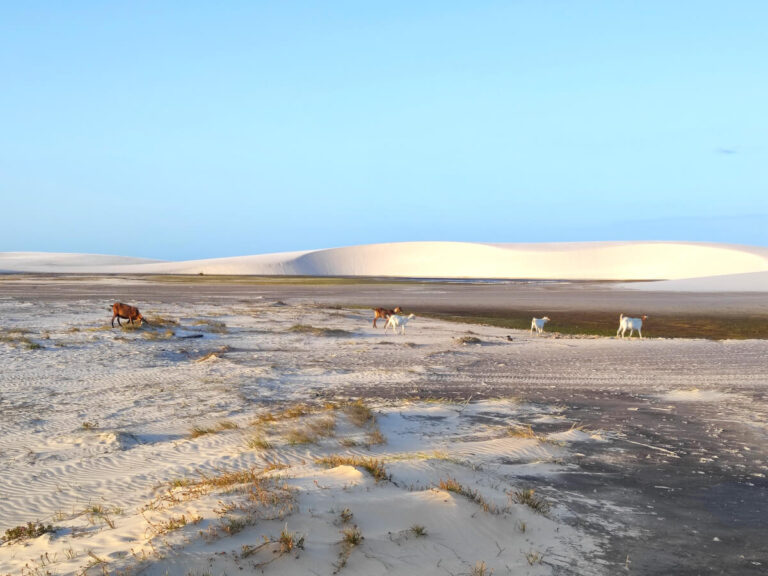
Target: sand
[(562, 261), (646, 457)]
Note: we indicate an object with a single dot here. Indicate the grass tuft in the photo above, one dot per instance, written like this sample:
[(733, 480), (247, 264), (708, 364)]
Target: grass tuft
[(358, 413), (375, 437), (521, 432), (211, 326), (529, 498), (198, 431), (157, 335), (300, 436), (351, 536), (452, 485), (374, 467), (533, 558), (259, 442)]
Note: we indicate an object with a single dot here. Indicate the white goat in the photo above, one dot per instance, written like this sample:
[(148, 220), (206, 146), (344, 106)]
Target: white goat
[(538, 324), (631, 324), (396, 320)]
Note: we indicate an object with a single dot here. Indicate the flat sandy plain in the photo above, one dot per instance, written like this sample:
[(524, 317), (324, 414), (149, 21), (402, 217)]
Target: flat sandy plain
[(644, 457)]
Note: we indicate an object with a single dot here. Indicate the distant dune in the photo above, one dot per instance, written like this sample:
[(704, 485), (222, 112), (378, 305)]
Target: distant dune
[(568, 261), (60, 262)]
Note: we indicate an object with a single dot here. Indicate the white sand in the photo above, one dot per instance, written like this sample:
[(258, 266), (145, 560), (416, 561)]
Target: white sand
[(749, 282), (575, 261), (96, 428)]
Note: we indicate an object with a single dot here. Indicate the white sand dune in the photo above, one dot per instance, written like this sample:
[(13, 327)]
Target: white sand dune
[(53, 262), (565, 261), (749, 282)]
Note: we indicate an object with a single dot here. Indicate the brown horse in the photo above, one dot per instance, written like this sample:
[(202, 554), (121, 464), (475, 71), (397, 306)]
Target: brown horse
[(130, 313), (384, 313)]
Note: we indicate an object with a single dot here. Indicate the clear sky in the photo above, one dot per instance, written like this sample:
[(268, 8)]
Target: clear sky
[(181, 130)]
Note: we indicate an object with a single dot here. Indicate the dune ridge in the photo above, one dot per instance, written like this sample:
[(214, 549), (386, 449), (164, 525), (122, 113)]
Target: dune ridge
[(450, 260)]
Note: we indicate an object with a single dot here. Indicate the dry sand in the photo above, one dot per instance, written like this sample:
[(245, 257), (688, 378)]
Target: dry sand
[(565, 260), (649, 457)]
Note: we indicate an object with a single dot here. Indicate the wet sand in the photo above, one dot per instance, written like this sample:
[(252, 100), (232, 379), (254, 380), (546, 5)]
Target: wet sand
[(434, 296)]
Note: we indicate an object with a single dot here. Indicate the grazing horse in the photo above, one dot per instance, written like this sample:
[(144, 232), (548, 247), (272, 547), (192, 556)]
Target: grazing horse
[(384, 314), (130, 313)]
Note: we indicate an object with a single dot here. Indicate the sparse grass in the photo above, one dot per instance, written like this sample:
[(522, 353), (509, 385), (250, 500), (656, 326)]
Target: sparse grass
[(345, 516), (480, 569), (286, 543), (464, 340), (293, 411), (157, 335), (198, 431), (452, 485), (418, 530), (27, 531), (245, 497), (315, 331), (161, 321), (89, 425), (180, 483), (226, 479), (521, 432), (213, 326), (18, 337), (374, 467), (358, 413), (175, 523), (533, 557), (529, 498), (300, 435), (259, 442), (375, 437), (324, 427), (351, 536), (232, 526), (96, 512)]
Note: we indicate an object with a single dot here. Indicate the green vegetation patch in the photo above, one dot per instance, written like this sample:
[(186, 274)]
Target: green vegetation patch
[(600, 323), (27, 531)]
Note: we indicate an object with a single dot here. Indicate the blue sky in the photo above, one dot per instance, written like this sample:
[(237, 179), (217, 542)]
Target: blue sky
[(182, 130)]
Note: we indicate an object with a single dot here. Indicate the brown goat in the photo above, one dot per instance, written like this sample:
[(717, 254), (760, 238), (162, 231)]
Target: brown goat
[(384, 313), (130, 313)]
